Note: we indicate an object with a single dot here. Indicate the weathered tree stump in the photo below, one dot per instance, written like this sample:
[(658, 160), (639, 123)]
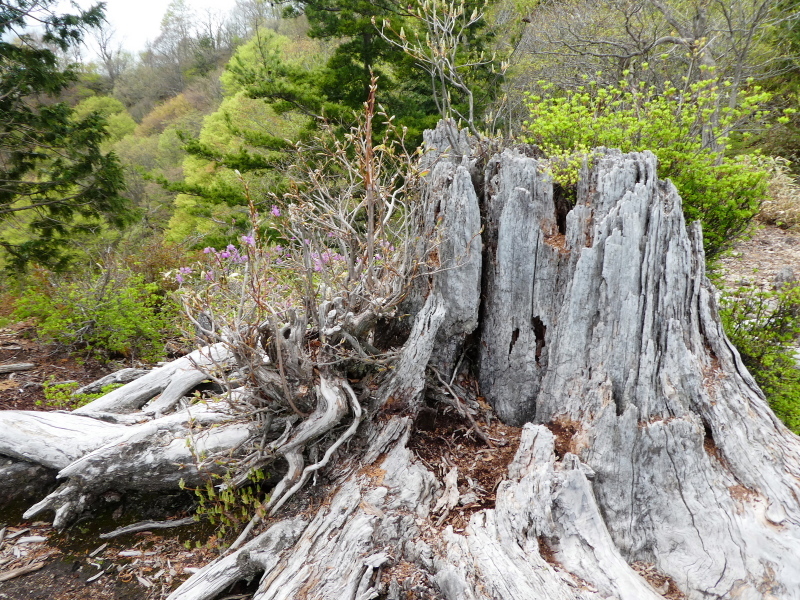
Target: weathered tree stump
[(648, 463)]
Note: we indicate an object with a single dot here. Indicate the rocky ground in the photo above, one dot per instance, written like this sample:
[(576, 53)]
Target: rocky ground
[(38, 562)]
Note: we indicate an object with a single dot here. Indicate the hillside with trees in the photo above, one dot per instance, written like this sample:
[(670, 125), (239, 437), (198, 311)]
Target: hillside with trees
[(401, 300)]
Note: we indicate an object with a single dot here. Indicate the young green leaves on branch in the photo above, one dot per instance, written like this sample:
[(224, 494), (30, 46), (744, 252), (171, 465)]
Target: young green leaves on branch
[(689, 129)]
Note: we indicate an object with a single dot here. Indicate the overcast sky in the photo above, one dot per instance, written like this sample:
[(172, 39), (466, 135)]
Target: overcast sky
[(137, 21)]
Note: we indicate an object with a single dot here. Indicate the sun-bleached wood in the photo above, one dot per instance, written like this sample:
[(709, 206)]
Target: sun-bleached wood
[(175, 378)]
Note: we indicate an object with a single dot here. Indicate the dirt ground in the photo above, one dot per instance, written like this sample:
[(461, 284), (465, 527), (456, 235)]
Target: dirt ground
[(76, 564), (23, 390), (770, 255)]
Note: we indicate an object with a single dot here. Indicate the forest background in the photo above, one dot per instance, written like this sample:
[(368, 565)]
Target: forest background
[(136, 187)]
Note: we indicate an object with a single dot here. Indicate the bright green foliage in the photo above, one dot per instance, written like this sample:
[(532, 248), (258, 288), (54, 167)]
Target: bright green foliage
[(225, 506), (763, 324), (279, 90), (688, 129), (55, 179), (337, 87), (63, 396), (118, 122), (342, 84), (244, 135), (111, 316)]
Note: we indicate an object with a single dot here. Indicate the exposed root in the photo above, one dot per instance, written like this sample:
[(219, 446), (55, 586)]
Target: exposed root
[(146, 525), (331, 407), (357, 413)]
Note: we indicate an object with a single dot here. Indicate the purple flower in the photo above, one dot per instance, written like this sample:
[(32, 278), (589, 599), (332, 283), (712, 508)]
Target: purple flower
[(248, 239), (185, 270), (179, 278), (208, 250), (276, 212), (231, 248), (224, 254), (209, 275)]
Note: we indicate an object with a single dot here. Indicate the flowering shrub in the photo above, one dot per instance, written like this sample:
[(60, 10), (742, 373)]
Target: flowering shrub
[(340, 227), (298, 301)]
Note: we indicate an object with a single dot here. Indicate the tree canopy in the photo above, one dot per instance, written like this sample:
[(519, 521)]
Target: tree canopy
[(55, 179)]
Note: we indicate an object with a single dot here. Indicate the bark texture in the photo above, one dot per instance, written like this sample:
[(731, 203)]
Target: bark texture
[(649, 463)]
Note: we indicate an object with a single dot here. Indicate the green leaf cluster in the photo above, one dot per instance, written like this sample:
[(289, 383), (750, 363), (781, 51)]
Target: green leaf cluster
[(226, 506), (243, 135), (689, 129), (63, 396), (107, 317), (763, 325), (118, 122)]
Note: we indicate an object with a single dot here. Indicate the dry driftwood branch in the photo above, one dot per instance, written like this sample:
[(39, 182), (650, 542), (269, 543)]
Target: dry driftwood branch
[(122, 376), (175, 378), (20, 571), (146, 525), (11, 368)]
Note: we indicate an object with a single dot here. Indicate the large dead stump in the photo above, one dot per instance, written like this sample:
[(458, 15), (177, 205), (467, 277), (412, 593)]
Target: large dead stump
[(649, 463)]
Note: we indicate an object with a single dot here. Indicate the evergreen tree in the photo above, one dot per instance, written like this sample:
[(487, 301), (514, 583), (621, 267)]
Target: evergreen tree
[(55, 181), (301, 90), (337, 88)]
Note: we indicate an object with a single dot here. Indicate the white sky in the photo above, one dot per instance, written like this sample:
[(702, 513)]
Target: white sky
[(137, 21)]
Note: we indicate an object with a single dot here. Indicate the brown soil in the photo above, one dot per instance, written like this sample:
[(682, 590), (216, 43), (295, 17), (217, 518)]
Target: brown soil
[(769, 256), (449, 441), (78, 566), (23, 390)]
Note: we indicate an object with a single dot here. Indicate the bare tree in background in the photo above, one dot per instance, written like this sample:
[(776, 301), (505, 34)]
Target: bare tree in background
[(114, 58), (654, 41)]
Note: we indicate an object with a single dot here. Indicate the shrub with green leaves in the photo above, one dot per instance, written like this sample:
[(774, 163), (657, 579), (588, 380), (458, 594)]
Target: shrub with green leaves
[(763, 324), (226, 506), (112, 315), (62, 394), (689, 129)]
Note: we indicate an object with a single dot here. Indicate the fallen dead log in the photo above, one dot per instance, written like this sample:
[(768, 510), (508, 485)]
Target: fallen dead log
[(52, 439), (157, 455), (12, 368), (177, 377), (122, 376)]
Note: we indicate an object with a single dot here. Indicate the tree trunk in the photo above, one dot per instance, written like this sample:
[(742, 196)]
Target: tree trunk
[(648, 463)]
